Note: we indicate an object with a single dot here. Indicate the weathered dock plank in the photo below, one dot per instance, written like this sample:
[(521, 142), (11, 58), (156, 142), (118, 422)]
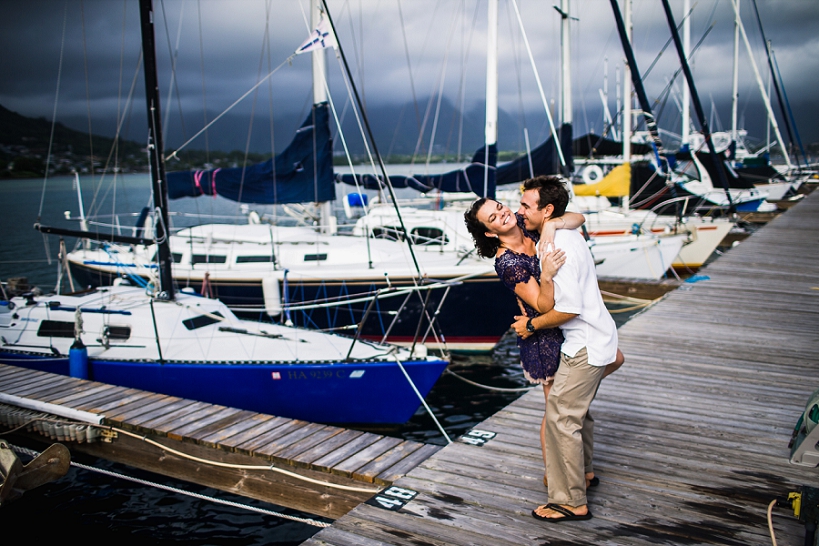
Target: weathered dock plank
[(691, 436)]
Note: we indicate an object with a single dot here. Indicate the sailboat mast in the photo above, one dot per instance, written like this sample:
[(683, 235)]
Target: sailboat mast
[(765, 97), (651, 123), (491, 129), (686, 98), (565, 65), (626, 132), (706, 133), (735, 89), (155, 148), (319, 96)]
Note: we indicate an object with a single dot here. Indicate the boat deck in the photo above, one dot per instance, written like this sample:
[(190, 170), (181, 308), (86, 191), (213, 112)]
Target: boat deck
[(325, 454), (691, 434)]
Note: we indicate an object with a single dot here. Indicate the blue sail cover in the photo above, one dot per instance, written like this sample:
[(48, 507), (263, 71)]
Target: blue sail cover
[(467, 179), (591, 145), (545, 160), (299, 176)]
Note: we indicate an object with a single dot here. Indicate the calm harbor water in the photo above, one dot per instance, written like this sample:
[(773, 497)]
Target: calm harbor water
[(103, 510)]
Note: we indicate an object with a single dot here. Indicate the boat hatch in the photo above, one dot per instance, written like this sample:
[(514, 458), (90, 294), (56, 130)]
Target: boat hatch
[(56, 328), (119, 333), (201, 321)]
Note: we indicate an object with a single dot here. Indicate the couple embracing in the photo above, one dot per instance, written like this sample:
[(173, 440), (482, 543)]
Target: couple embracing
[(566, 336)]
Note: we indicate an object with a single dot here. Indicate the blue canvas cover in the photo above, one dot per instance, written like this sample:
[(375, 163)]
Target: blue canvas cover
[(467, 179), (299, 176), (545, 160)]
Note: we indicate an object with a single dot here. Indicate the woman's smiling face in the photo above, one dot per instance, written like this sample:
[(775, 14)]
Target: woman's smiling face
[(497, 218)]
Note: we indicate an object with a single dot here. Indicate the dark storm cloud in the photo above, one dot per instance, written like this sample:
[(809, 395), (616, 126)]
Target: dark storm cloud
[(226, 40)]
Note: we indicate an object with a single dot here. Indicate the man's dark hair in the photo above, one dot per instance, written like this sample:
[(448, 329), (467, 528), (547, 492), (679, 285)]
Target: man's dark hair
[(551, 191), (486, 246)]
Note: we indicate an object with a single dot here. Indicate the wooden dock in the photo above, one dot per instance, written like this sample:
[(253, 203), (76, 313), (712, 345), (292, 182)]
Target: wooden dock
[(322, 453), (691, 434)]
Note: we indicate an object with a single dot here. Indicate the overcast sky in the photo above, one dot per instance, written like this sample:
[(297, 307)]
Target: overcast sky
[(395, 47)]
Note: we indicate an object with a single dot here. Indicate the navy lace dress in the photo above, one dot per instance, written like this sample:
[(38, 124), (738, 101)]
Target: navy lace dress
[(540, 352)]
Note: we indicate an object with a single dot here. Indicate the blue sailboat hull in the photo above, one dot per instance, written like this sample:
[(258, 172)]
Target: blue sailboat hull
[(335, 393)]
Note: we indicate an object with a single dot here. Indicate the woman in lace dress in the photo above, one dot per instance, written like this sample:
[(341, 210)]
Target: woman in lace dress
[(498, 232)]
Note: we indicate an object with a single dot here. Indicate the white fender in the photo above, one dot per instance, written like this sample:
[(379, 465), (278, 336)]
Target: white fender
[(592, 174), (272, 296)]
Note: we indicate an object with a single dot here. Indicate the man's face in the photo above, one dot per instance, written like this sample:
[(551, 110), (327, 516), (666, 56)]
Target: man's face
[(532, 216)]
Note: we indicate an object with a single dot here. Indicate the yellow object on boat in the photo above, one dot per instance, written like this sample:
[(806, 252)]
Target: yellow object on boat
[(615, 184)]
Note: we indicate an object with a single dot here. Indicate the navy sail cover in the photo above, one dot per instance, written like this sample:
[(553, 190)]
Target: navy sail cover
[(545, 160), (472, 178), (302, 173)]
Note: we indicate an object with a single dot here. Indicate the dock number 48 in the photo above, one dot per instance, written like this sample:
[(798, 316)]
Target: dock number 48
[(392, 498), (477, 437)]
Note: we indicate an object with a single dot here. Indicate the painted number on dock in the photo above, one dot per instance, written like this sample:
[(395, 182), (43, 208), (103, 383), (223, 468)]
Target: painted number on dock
[(392, 498), (477, 437)]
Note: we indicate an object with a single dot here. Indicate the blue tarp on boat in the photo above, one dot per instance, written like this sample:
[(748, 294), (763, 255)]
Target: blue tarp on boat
[(302, 173), (545, 160), (466, 179)]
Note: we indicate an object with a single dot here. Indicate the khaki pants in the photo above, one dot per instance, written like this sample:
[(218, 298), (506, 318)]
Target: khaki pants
[(569, 428)]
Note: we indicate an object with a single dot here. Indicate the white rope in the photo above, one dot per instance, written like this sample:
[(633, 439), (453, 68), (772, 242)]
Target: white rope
[(220, 464), (770, 522), (245, 467), (112, 474)]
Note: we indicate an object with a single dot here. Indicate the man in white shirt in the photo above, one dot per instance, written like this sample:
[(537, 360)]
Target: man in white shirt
[(590, 344)]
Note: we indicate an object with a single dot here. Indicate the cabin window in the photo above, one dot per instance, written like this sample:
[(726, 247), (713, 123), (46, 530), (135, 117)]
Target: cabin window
[(315, 257), (253, 259), (201, 321), (120, 333), (388, 232), (429, 236), (176, 257), (208, 259), (56, 328)]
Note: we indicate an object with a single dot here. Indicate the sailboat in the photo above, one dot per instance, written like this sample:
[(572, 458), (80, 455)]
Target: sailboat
[(620, 254), (181, 344), (314, 276)]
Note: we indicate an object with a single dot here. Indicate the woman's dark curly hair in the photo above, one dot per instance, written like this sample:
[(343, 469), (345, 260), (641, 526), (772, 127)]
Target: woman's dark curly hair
[(486, 246)]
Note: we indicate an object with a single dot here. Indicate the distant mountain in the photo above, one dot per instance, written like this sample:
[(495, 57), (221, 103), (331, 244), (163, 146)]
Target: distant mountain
[(396, 129), (35, 133)]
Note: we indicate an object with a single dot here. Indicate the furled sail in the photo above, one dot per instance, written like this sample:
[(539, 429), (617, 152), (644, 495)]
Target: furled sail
[(302, 173), (544, 158), (591, 145), (467, 179)]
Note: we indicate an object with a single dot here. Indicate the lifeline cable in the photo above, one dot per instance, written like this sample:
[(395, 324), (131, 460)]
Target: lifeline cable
[(308, 521), (487, 387)]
